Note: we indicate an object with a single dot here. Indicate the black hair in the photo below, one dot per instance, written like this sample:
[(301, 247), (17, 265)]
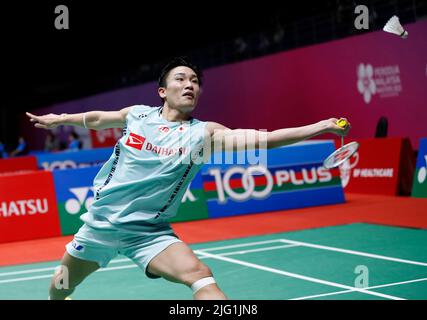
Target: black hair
[(178, 62)]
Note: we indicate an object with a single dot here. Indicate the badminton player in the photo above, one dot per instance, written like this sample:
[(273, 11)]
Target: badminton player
[(141, 186)]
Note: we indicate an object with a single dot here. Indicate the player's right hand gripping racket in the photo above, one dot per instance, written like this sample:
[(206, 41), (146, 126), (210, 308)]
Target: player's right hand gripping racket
[(339, 156)]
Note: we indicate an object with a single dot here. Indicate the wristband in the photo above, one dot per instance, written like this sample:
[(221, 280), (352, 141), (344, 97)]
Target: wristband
[(84, 120)]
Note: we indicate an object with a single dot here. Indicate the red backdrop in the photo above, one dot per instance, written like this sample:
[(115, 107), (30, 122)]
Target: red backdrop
[(28, 207), (306, 85)]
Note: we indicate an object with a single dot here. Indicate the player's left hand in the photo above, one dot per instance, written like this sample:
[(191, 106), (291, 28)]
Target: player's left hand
[(340, 130)]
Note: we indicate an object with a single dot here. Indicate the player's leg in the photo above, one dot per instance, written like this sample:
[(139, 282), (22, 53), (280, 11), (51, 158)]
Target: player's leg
[(178, 263), (69, 275), (89, 250)]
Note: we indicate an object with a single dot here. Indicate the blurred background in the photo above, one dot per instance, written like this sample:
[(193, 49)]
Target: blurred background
[(110, 46)]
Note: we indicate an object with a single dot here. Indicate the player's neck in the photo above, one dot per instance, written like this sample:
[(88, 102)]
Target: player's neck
[(174, 115)]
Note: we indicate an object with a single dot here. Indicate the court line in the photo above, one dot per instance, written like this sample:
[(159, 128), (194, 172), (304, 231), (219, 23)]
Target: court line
[(368, 288), (25, 279), (241, 245), (4, 274), (358, 253), (295, 275), (258, 250), (127, 259), (128, 266), (27, 271)]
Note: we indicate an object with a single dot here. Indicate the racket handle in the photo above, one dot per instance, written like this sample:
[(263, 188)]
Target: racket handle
[(341, 123)]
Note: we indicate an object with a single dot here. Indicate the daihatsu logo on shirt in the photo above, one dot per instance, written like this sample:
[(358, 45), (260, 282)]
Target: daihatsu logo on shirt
[(138, 142), (135, 141)]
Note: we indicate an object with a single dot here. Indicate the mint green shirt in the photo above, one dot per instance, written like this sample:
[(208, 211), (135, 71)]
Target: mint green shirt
[(141, 186)]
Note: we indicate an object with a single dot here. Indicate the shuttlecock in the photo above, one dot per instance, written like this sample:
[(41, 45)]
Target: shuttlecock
[(393, 26)]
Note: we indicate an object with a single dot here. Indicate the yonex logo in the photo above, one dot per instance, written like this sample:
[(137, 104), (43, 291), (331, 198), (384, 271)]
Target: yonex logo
[(342, 155), (77, 246), (135, 141), (422, 173), (73, 206)]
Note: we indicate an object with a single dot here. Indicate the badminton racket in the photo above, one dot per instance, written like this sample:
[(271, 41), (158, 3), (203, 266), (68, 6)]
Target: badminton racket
[(339, 156)]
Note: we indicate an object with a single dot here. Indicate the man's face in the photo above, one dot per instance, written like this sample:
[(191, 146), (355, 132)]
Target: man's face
[(182, 89)]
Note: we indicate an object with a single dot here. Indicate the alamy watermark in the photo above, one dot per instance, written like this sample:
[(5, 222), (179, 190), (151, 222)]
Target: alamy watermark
[(62, 21), (223, 147), (62, 278), (362, 280), (362, 20)]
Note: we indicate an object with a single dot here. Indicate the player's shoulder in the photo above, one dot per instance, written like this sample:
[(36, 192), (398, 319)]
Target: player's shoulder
[(140, 111), (142, 108), (211, 127)]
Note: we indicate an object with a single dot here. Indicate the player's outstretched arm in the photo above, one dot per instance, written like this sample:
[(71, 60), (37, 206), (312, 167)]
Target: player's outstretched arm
[(96, 120), (288, 136), (241, 139)]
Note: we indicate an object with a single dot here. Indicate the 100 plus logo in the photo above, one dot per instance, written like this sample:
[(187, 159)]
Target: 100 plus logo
[(257, 182), (83, 198)]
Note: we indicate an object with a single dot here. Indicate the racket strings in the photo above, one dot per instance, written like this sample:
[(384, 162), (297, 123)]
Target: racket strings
[(341, 155)]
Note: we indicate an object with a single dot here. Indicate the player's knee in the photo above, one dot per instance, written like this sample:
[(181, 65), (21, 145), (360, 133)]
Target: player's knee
[(197, 271)]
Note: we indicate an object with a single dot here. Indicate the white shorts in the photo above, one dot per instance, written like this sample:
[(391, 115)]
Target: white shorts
[(101, 246)]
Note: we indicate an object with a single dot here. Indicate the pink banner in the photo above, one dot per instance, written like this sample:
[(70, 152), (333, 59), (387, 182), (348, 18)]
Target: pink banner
[(362, 78)]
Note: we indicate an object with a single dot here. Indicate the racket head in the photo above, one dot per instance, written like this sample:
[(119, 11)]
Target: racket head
[(339, 156)]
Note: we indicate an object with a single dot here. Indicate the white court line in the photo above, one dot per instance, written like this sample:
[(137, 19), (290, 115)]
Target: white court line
[(4, 274), (368, 288), (25, 279), (257, 250), (294, 275), (241, 245), (129, 266), (50, 276), (123, 260), (358, 253)]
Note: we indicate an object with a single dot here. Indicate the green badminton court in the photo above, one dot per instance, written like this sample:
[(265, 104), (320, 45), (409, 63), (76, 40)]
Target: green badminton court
[(355, 262)]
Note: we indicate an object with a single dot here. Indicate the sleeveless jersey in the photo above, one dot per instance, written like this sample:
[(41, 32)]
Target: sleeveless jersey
[(141, 186)]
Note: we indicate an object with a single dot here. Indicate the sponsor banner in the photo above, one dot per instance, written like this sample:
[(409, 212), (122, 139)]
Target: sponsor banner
[(378, 167), (419, 188), (105, 138), (27, 163), (74, 195), (28, 207), (293, 178), (193, 204), (74, 159)]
